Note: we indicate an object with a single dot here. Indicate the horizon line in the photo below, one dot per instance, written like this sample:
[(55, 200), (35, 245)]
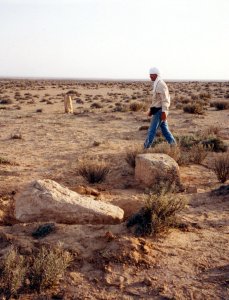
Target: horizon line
[(100, 79)]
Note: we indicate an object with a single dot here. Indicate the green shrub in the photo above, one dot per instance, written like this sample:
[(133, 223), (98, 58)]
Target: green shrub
[(157, 215)]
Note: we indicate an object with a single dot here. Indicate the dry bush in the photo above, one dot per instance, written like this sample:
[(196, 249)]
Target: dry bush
[(4, 161), (96, 105), (94, 171), (48, 266), (6, 101), (166, 182), (16, 136), (131, 154), (197, 154), (157, 215), (211, 130), (171, 150), (220, 104), (215, 144), (194, 108), (221, 167), (12, 272), (136, 106)]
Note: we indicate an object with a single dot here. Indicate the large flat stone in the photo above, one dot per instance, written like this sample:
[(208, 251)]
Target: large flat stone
[(46, 200)]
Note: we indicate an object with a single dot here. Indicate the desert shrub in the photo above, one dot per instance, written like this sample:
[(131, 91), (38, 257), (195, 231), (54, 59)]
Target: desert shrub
[(120, 108), (172, 151), (131, 154), (94, 171), (16, 136), (197, 153), (12, 272), (6, 101), (4, 161), (220, 104), (194, 108), (96, 105), (211, 130), (221, 167), (166, 182), (187, 141), (136, 106), (47, 266), (158, 214), (215, 144)]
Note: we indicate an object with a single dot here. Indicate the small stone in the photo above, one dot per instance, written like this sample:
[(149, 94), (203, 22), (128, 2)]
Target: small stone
[(191, 189)]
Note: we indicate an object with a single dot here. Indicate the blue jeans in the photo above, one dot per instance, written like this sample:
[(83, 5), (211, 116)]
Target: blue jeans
[(155, 123)]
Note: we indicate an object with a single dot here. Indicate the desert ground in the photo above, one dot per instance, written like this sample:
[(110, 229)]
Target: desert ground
[(39, 141)]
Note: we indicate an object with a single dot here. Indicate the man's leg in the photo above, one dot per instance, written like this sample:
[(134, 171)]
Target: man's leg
[(155, 122), (167, 134)]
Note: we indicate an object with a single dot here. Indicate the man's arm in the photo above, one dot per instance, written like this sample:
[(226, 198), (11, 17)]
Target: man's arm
[(165, 100)]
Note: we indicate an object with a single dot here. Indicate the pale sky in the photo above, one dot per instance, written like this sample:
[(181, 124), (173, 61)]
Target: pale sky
[(114, 39)]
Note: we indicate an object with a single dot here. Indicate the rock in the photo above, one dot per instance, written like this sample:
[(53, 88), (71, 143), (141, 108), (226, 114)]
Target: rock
[(149, 164), (46, 200), (191, 189)]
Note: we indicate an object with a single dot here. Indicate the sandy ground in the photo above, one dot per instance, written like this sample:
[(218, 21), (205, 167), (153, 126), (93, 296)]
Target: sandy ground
[(185, 264)]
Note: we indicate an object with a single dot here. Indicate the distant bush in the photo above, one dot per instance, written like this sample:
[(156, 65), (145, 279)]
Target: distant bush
[(96, 105), (157, 215), (194, 108), (136, 106), (94, 171), (220, 104), (6, 101), (221, 167)]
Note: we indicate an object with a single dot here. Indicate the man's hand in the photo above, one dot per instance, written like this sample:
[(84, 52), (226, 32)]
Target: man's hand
[(163, 116), (148, 113)]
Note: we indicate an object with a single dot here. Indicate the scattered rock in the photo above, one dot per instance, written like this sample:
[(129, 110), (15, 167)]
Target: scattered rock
[(46, 200), (148, 165)]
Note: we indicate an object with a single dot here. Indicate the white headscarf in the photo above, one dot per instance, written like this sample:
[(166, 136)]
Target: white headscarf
[(154, 71)]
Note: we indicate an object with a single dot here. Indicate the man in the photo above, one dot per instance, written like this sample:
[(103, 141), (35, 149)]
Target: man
[(158, 110), (68, 103)]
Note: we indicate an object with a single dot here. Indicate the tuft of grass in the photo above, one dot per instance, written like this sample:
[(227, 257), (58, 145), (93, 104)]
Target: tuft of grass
[(94, 171), (158, 214), (131, 154), (221, 167), (48, 266), (12, 272), (171, 150)]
